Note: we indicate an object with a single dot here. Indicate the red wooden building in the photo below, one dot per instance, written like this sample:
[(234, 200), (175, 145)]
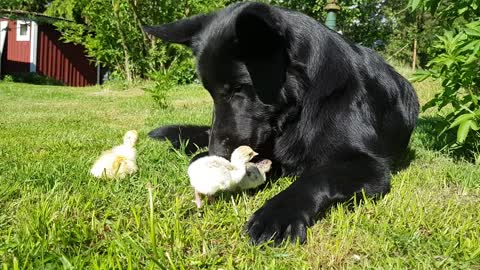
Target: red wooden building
[(31, 44)]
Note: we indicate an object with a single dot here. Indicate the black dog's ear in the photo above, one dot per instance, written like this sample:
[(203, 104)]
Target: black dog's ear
[(262, 40), (259, 29), (181, 31)]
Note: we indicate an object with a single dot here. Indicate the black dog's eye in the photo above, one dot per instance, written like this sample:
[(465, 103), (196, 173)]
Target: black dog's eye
[(234, 90), (237, 88)]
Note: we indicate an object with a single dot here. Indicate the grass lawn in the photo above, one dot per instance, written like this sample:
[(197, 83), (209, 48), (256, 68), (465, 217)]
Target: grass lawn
[(53, 214)]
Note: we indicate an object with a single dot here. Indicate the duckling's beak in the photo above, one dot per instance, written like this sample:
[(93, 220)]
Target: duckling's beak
[(255, 154)]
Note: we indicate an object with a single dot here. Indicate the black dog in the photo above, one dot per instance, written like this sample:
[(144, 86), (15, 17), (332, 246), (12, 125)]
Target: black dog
[(328, 111)]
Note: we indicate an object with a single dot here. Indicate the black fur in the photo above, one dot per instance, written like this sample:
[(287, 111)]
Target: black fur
[(192, 137), (331, 112)]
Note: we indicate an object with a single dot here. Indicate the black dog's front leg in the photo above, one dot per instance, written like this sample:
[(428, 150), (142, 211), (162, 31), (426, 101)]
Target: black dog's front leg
[(289, 213)]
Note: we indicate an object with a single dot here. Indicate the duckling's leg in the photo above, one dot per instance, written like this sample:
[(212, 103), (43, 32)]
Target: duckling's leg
[(198, 199), (210, 199)]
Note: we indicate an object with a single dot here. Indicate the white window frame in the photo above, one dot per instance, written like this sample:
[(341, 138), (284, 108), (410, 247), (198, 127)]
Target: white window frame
[(23, 37)]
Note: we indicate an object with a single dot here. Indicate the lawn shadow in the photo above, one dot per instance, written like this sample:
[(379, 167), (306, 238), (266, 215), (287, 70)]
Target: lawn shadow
[(427, 134), (428, 130), (404, 161)]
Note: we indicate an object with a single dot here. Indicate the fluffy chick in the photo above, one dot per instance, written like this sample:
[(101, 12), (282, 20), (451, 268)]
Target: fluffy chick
[(255, 174), (211, 174), (120, 161)]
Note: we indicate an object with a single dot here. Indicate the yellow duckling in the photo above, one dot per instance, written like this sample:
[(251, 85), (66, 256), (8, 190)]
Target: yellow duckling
[(120, 161)]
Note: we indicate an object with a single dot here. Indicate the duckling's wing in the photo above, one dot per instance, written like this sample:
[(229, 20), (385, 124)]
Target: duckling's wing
[(209, 175), (210, 182), (105, 166), (126, 167)]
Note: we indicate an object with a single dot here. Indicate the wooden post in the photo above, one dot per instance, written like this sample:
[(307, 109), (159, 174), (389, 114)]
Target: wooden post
[(414, 60), (98, 73)]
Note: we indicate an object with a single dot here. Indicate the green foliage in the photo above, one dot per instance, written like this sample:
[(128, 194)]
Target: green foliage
[(27, 5), (183, 71), (159, 91), (457, 66), (8, 78), (115, 81), (111, 31), (33, 78), (312, 8), (429, 18), (367, 22), (447, 12)]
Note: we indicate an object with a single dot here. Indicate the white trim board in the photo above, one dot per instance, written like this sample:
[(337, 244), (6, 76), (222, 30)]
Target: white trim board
[(3, 37), (33, 46), (23, 37)]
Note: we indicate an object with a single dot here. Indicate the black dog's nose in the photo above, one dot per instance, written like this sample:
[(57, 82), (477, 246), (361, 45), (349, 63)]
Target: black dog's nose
[(197, 156), (220, 146), (214, 151)]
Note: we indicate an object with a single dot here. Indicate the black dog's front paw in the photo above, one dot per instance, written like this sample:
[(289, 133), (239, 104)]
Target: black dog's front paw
[(278, 222)]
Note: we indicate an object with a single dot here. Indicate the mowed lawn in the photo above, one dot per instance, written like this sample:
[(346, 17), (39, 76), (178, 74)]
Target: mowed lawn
[(53, 214)]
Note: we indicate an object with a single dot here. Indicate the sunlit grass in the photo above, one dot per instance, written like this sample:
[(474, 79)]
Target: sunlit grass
[(53, 214)]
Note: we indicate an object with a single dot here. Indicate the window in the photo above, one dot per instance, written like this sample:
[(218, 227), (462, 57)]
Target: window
[(23, 31)]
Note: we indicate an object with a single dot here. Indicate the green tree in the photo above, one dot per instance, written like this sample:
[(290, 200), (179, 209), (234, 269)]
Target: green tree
[(111, 31), (27, 5), (456, 63), (367, 22)]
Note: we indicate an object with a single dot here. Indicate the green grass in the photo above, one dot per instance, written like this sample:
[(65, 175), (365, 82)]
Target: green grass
[(53, 214)]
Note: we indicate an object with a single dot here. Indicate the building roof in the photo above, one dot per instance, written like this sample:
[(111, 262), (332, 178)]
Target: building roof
[(35, 16)]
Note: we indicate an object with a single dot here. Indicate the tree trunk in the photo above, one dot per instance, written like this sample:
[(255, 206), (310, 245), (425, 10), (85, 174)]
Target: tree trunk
[(186, 10), (128, 69), (146, 38), (414, 58)]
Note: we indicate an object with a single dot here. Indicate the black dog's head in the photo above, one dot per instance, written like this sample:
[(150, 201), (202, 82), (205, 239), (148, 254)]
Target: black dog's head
[(242, 60)]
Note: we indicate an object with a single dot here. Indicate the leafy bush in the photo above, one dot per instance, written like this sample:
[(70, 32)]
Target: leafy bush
[(7, 78), (181, 69), (31, 77), (457, 65), (115, 81), (424, 20), (183, 72), (162, 84)]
